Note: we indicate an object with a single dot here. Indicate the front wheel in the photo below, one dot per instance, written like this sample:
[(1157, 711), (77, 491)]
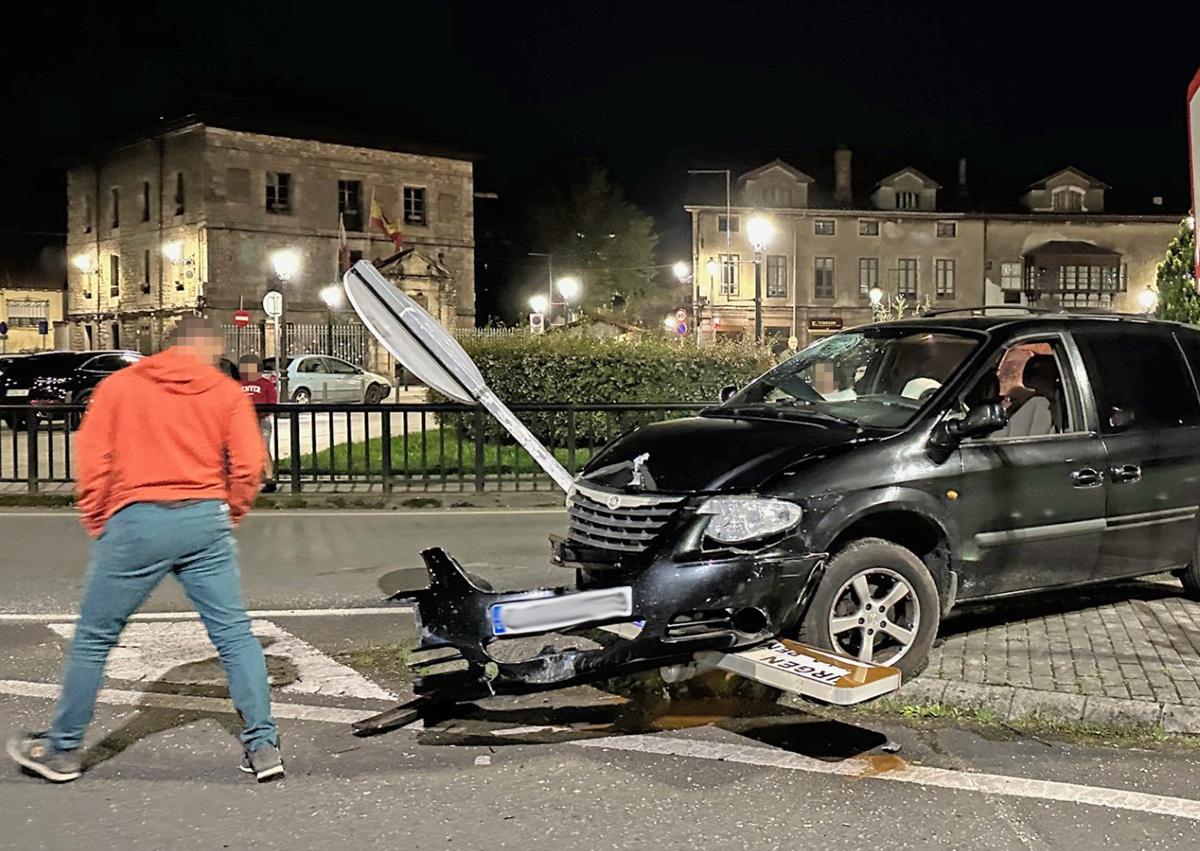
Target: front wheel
[(876, 603), (302, 396)]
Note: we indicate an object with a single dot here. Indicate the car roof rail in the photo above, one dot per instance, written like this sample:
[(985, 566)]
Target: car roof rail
[(984, 308)]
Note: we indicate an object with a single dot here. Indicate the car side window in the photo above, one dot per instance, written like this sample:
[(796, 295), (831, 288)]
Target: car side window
[(1139, 378), (1030, 379), (107, 363), (340, 367), (311, 365)]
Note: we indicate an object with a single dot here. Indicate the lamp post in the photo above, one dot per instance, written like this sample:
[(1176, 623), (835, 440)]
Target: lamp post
[(332, 296), (88, 269), (285, 263), (1147, 300), (759, 230), (569, 288), (549, 276)]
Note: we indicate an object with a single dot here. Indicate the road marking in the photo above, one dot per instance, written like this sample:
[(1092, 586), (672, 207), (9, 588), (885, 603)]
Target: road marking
[(70, 617), (966, 781), (167, 653), (190, 703), (297, 512)]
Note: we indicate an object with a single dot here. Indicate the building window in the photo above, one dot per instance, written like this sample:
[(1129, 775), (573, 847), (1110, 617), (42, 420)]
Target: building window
[(824, 227), (116, 208), (777, 196), (943, 278), (907, 201), (947, 230), (179, 205), (114, 276), (355, 256), (727, 224), (145, 271), (279, 192), (729, 274), (350, 204), (1010, 277), (414, 205), (28, 313), (868, 227), (145, 200), (88, 214), (1089, 286), (1067, 200), (868, 275), (823, 284), (777, 276), (906, 277), (1012, 296)]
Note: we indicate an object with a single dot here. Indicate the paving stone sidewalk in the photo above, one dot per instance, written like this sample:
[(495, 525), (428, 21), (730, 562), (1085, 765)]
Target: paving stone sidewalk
[(1126, 654)]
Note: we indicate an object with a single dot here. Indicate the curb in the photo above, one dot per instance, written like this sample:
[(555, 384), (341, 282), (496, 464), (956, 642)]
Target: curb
[(1012, 703)]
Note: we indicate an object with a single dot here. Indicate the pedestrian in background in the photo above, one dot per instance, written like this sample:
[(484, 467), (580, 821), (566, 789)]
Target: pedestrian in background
[(262, 391), (170, 459)]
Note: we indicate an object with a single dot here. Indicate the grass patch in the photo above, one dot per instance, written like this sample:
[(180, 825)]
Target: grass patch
[(432, 453), (386, 661), (37, 500)]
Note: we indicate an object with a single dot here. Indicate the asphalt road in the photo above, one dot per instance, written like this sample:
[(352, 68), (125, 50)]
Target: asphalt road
[(577, 769)]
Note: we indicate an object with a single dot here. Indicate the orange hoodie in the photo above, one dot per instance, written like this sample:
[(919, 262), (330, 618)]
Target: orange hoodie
[(167, 428)]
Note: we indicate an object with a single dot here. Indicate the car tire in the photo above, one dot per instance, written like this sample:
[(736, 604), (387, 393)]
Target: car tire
[(888, 569), (1189, 576), (375, 394), (301, 396)]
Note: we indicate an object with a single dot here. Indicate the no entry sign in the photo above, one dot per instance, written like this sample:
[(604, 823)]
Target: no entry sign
[(1194, 149), (241, 318)]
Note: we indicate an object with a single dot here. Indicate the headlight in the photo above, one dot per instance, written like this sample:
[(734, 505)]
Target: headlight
[(737, 519)]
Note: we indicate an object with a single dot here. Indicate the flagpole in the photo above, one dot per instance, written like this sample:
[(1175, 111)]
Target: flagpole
[(370, 221)]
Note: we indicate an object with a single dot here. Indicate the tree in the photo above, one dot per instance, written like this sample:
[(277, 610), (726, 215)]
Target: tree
[(1175, 282), (594, 234), (899, 307)]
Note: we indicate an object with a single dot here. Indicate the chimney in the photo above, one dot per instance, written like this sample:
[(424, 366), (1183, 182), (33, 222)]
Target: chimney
[(842, 190), (962, 177)]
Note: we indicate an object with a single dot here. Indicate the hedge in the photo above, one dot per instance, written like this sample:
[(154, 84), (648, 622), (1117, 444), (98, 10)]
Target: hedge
[(566, 368)]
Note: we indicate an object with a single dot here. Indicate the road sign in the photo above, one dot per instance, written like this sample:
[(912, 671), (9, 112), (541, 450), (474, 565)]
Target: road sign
[(681, 328), (43, 327), (537, 323), (681, 315), (273, 304), (3, 329), (241, 318)]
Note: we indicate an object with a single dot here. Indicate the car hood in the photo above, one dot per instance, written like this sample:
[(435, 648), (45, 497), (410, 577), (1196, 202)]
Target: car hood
[(710, 454)]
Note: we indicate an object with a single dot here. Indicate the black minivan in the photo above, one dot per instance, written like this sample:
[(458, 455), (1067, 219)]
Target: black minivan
[(857, 492)]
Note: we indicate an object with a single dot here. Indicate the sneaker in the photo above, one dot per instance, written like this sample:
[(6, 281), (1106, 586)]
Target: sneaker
[(270, 487), (264, 763), (34, 753)]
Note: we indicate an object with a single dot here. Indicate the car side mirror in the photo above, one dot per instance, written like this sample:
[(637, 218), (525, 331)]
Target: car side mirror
[(979, 421), (1120, 419), (728, 393)]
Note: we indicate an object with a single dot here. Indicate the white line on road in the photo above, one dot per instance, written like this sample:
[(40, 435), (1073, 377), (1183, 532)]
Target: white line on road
[(20, 617), (190, 703), (966, 781)]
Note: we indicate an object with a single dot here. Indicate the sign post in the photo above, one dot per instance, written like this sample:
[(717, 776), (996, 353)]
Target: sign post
[(4, 335), (273, 306)]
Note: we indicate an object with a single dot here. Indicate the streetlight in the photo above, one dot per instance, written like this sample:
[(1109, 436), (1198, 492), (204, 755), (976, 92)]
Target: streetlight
[(759, 230), (539, 304), (285, 263), (332, 296), (1147, 300), (173, 251), (876, 296), (681, 270)]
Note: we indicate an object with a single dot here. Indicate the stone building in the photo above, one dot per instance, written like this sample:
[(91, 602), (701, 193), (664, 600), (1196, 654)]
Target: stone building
[(33, 279), (1057, 245), (193, 214)]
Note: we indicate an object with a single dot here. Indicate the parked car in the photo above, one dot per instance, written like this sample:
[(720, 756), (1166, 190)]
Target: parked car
[(856, 493), (47, 380), (322, 378)]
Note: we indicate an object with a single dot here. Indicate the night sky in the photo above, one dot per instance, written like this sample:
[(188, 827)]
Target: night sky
[(649, 88)]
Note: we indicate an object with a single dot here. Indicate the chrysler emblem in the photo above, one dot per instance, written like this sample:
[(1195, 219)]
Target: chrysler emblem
[(614, 502)]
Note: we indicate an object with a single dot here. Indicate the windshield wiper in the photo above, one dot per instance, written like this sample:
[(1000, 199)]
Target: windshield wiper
[(826, 415), (778, 408)]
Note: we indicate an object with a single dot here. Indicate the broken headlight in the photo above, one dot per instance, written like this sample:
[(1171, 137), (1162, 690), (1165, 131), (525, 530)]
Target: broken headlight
[(738, 519)]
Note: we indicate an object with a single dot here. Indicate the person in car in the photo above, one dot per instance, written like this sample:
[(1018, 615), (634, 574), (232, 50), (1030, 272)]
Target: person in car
[(1035, 415)]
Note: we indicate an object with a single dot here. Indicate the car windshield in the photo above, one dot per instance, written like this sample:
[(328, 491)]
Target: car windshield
[(878, 378)]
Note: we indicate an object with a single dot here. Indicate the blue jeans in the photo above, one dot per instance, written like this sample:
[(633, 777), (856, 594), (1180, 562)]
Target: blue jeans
[(141, 544)]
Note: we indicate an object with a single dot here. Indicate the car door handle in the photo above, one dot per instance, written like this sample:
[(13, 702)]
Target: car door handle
[(1087, 478), (1126, 473)]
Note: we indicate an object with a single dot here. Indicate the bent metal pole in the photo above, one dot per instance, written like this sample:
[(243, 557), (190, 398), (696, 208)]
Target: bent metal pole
[(430, 352)]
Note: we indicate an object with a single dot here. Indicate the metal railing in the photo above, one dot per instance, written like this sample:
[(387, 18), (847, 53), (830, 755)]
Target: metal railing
[(336, 448)]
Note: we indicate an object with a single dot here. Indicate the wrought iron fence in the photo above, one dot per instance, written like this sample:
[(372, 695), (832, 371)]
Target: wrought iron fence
[(345, 340), (353, 448)]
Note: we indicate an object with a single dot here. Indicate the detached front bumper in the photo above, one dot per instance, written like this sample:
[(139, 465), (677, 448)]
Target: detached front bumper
[(672, 610)]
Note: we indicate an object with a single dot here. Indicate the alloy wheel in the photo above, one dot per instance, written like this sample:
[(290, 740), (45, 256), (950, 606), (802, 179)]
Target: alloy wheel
[(875, 616)]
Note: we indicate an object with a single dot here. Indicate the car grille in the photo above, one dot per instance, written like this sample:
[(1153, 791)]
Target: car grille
[(631, 526)]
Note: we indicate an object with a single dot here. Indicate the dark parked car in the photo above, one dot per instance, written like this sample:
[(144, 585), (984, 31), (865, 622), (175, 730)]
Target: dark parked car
[(856, 493), (51, 379)]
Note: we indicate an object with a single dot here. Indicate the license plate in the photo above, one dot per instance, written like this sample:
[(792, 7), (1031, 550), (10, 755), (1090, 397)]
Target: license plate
[(545, 614), (18, 392)]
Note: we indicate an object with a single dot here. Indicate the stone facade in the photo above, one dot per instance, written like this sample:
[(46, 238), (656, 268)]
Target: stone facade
[(192, 229), (909, 236)]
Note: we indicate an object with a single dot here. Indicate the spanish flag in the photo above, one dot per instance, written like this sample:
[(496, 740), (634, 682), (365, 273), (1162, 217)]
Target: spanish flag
[(379, 220)]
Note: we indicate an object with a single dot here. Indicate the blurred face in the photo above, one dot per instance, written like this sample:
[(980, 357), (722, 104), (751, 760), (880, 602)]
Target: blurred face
[(206, 348), (250, 372)]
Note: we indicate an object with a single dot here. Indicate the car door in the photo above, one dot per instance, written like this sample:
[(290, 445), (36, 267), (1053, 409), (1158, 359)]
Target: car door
[(347, 380), (1150, 422), (312, 373), (1031, 506)]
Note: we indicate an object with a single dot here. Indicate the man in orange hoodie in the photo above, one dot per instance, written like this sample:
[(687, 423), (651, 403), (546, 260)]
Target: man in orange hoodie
[(170, 459)]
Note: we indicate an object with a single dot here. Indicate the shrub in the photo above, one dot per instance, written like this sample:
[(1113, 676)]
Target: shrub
[(565, 368)]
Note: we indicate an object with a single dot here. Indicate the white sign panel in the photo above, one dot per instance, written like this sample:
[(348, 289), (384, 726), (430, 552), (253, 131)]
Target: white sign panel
[(273, 304)]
